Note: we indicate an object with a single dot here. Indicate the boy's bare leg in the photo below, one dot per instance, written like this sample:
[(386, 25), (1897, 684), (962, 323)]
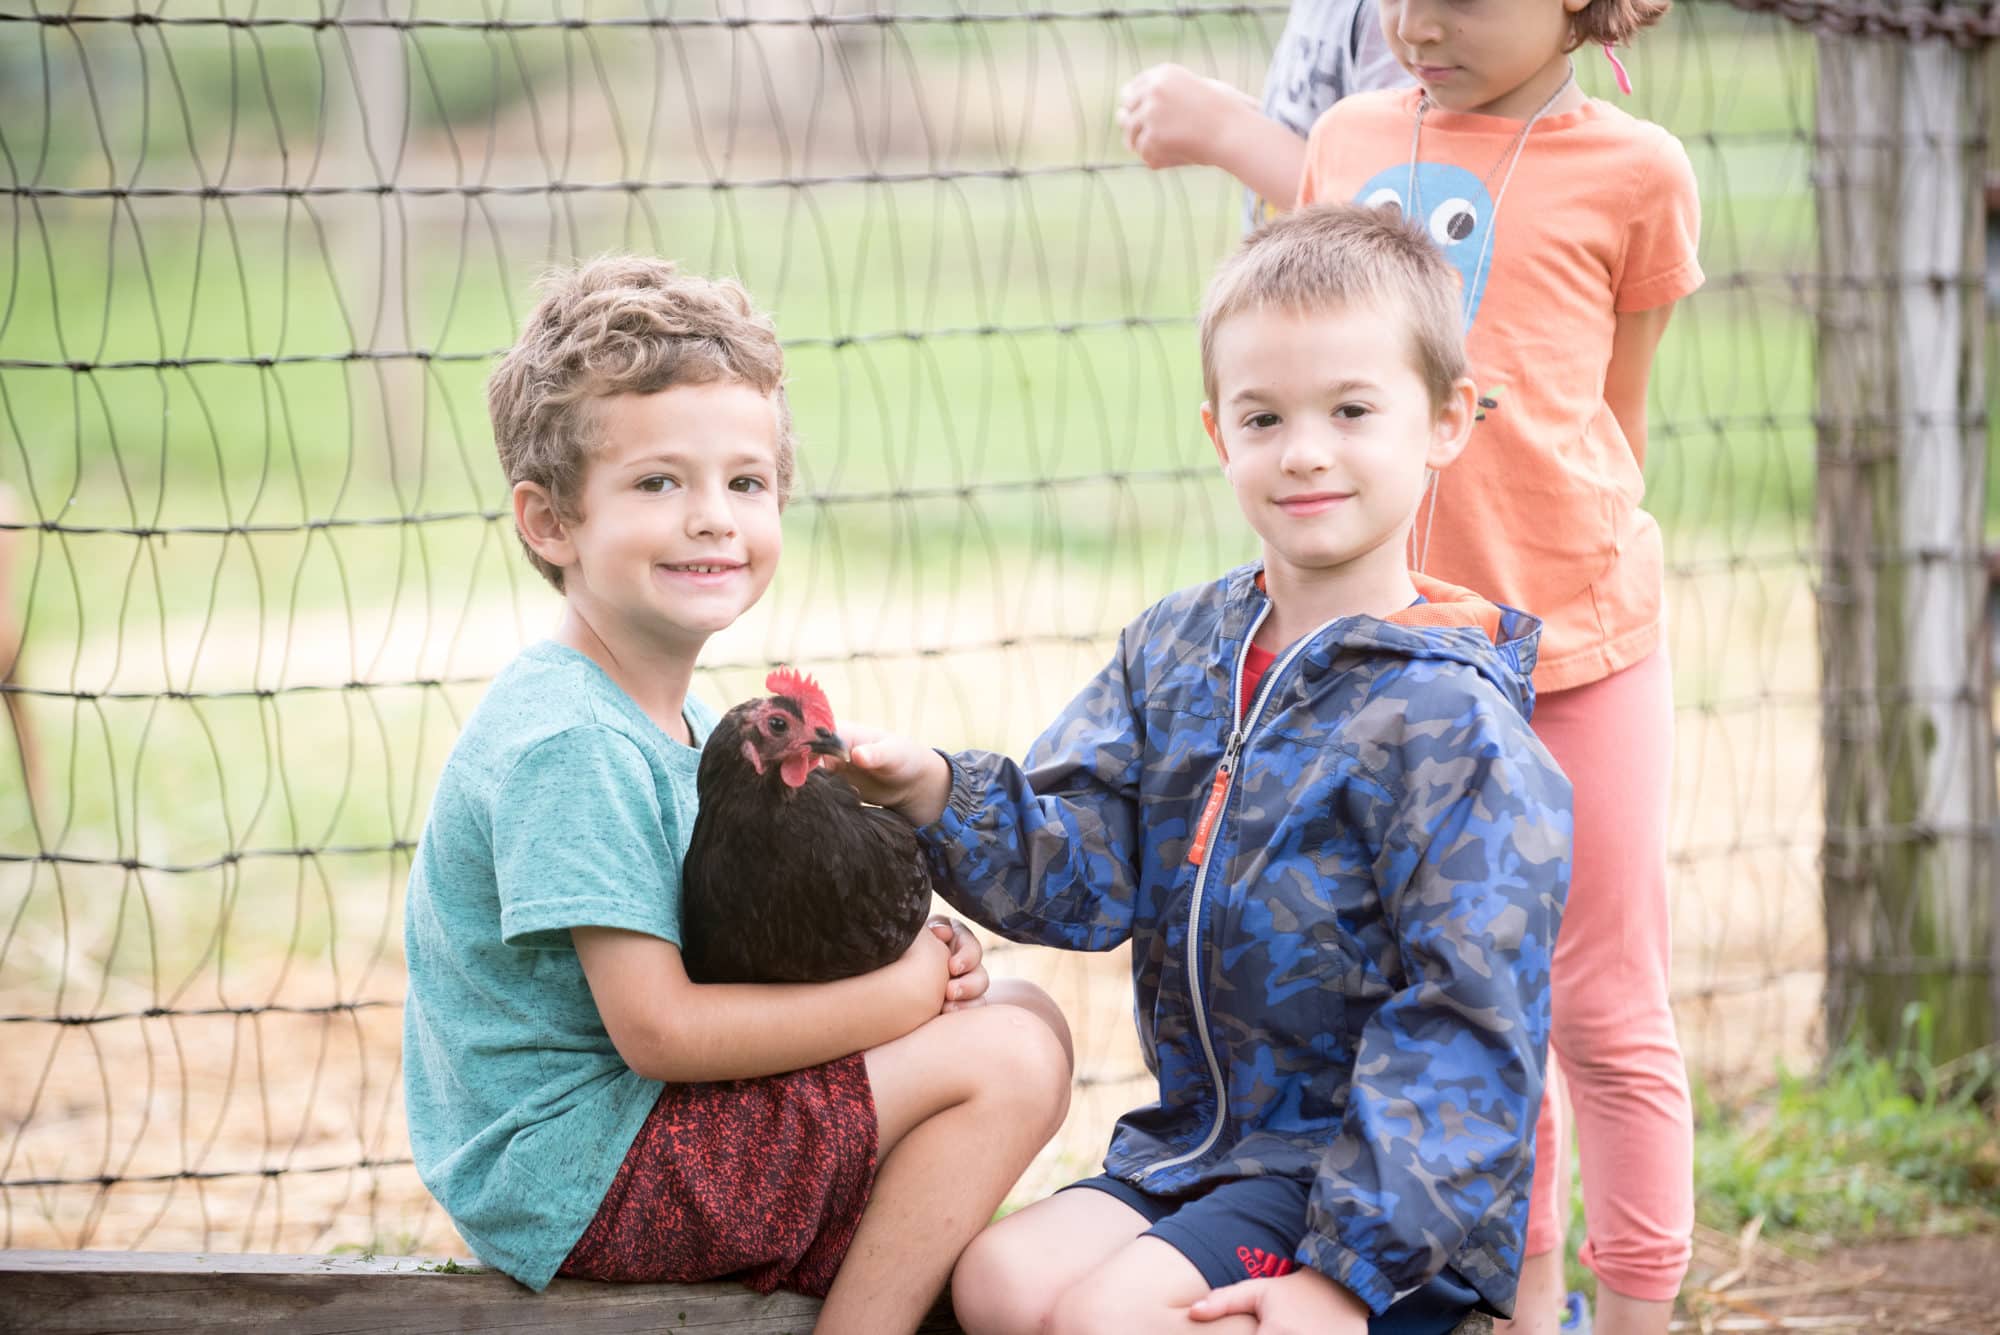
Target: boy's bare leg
[(1538, 1299), (1540, 1294), (1010, 1278), (1075, 1264), (1145, 1288), (962, 1105), (1014, 992)]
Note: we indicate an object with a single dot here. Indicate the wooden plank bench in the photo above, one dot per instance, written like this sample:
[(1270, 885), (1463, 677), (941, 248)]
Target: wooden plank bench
[(93, 1293)]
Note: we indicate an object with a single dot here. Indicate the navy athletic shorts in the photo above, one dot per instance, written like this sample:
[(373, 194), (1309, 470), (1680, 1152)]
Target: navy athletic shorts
[(1250, 1228)]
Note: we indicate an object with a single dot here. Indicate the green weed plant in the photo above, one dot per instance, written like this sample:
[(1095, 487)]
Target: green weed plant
[(1873, 1146)]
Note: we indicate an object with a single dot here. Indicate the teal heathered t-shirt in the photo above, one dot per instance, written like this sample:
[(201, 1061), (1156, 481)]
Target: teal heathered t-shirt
[(562, 805)]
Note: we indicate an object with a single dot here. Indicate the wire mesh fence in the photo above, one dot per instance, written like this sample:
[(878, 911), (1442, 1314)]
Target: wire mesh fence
[(259, 259)]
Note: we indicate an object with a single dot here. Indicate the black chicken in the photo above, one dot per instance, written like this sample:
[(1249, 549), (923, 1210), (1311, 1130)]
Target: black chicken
[(788, 877)]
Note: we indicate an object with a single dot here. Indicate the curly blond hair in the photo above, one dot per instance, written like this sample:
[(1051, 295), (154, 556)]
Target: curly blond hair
[(621, 324)]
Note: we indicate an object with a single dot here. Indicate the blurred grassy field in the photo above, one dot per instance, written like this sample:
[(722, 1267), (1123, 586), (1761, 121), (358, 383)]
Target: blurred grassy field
[(993, 379), (275, 588)]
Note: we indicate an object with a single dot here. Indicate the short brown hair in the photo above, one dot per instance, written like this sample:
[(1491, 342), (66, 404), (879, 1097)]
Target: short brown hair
[(621, 324), (1337, 255), (1613, 22)]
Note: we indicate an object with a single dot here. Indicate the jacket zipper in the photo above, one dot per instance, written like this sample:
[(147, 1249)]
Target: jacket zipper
[(1204, 840)]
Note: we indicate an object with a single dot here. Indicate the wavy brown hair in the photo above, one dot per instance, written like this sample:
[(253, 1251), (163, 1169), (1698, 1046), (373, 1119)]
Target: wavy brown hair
[(622, 324)]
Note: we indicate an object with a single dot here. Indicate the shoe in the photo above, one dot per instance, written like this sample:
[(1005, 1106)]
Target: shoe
[(1576, 1315)]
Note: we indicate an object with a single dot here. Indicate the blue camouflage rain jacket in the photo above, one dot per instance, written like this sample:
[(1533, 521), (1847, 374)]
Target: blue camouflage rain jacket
[(1351, 985)]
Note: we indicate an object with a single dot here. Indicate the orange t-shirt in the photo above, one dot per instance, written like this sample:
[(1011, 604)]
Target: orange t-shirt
[(1599, 216)]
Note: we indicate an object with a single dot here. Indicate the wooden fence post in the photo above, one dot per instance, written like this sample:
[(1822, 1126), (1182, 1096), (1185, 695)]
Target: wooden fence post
[(1910, 863)]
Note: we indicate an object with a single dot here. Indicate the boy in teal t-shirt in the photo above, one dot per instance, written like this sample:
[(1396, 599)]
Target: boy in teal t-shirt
[(576, 1103)]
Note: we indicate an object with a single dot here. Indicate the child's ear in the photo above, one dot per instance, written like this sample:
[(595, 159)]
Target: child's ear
[(1214, 434), (1451, 425), (540, 526)]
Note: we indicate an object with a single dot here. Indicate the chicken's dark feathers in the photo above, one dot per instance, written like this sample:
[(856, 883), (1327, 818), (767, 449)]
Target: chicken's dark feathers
[(793, 885)]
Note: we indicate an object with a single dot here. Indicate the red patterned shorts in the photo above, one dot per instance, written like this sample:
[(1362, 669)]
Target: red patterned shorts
[(761, 1181)]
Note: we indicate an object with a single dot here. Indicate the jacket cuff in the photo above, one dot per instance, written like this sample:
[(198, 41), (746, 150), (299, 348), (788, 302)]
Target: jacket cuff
[(961, 801), (1348, 1270)]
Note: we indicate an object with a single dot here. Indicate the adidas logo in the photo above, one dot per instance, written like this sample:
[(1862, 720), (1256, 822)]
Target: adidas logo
[(1260, 1264)]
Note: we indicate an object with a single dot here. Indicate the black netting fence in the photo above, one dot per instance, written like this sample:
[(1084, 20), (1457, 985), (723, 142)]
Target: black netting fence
[(257, 260)]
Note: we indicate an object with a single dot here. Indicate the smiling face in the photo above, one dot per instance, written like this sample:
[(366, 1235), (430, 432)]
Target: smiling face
[(1493, 57), (678, 532), (1325, 428)]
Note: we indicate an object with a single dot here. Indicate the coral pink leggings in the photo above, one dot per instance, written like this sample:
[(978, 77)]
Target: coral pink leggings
[(1613, 1034)]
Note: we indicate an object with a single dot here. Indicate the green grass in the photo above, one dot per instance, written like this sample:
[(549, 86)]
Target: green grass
[(1871, 1147), (1868, 1147), (1060, 259), (985, 319), (167, 97)]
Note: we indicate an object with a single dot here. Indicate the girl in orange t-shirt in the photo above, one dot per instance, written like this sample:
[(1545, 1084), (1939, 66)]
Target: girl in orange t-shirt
[(1573, 227)]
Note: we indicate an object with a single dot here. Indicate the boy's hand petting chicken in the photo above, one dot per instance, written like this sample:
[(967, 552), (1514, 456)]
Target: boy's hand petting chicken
[(788, 877), (894, 772)]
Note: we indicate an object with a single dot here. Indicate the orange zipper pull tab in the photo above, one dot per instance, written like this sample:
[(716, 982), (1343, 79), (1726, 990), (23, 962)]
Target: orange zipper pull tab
[(1204, 830), (1211, 811)]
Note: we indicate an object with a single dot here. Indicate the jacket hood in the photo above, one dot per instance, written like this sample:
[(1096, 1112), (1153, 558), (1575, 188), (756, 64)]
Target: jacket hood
[(1451, 624)]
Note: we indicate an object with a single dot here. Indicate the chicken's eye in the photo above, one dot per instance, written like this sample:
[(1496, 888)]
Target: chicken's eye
[(779, 723)]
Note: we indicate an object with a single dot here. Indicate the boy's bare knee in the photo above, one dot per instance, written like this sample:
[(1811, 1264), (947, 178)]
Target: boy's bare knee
[(1091, 1308), (1032, 999), (993, 1290), (1025, 1063)]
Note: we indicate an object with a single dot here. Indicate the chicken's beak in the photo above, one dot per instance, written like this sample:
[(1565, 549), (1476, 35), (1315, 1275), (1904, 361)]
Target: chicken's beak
[(826, 742)]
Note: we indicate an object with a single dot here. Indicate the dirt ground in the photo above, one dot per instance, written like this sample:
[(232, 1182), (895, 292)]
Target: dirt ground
[(1907, 1286)]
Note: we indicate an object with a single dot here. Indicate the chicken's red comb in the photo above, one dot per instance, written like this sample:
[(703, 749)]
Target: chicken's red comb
[(812, 700)]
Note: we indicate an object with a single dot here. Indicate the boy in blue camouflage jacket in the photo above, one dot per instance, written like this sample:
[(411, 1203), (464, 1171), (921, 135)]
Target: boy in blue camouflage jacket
[(1308, 795)]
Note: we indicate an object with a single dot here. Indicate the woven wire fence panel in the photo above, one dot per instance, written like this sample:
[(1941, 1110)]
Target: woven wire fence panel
[(258, 261)]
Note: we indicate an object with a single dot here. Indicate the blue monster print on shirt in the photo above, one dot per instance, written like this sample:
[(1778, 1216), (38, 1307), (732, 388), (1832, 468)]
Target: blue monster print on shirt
[(1454, 209)]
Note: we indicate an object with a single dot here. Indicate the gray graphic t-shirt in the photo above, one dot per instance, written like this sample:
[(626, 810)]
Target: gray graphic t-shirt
[(1329, 48)]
